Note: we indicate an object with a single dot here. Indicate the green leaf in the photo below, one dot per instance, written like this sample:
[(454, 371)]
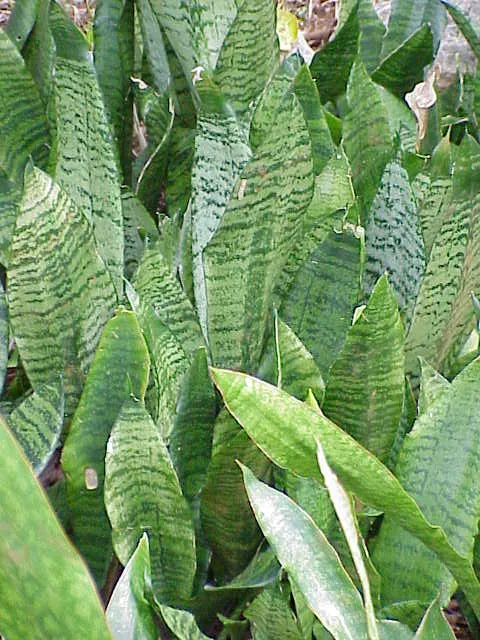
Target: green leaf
[(304, 552), (409, 414), (4, 337), (434, 625), (56, 275), (249, 54), (271, 617), (138, 228), (35, 551), (330, 67), (23, 128), (265, 411), (39, 53), (444, 314), (113, 56), (155, 53), (348, 521), (364, 392), (171, 331), (84, 159), (367, 136), (142, 494), (394, 242), (119, 368), (21, 21), (470, 32), (407, 16), (447, 431), (254, 238), (262, 570), (221, 152), (181, 623), (403, 68), (325, 286), (129, 613), (10, 196), (37, 424), (432, 387), (372, 31)]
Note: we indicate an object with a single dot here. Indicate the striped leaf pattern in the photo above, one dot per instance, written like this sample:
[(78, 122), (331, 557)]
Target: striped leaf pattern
[(182, 623), (444, 313), (249, 54), (138, 228), (256, 234), (56, 276), (265, 411), (4, 337), (171, 331), (10, 195), (85, 159), (364, 393), (41, 574), (221, 152), (37, 424), (23, 127), (409, 15), (447, 431), (271, 617), (142, 494), (120, 368), (394, 242), (326, 285), (366, 135)]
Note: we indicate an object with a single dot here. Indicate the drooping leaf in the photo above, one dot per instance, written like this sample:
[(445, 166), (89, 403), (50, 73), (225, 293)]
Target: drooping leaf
[(130, 613), (367, 135), (394, 242), (304, 552), (171, 331), (407, 16), (113, 55), (326, 285), (254, 238), (142, 494), (41, 575), (84, 162), (37, 424), (265, 411), (444, 314), (23, 127), (119, 368), (221, 152), (56, 275), (249, 54), (338, 55), (403, 68), (467, 28), (447, 431), (271, 617)]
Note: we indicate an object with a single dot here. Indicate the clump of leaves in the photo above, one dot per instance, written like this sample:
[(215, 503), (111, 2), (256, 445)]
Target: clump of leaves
[(237, 306)]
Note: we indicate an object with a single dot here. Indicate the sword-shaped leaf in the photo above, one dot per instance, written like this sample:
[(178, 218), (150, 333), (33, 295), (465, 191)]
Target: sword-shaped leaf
[(56, 276), (434, 625), (265, 411), (23, 126), (304, 552), (271, 617), (407, 16), (372, 31), (142, 494), (470, 31), (119, 368), (262, 221), (37, 424), (84, 160), (138, 228), (41, 575)]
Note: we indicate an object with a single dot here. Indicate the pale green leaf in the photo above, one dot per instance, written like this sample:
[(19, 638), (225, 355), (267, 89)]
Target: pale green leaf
[(434, 625), (432, 387)]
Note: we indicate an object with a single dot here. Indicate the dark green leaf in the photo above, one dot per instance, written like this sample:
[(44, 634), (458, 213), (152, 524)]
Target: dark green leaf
[(271, 617), (407, 16)]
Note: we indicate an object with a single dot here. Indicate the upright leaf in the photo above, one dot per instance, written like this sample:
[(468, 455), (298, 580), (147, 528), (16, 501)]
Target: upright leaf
[(37, 424), (84, 159), (372, 31), (470, 31), (23, 127), (35, 551), (255, 236), (447, 431), (409, 15), (56, 275), (142, 494), (394, 242), (366, 133), (4, 337), (119, 368), (21, 21), (304, 552), (265, 411), (138, 228), (271, 617), (434, 625), (432, 387)]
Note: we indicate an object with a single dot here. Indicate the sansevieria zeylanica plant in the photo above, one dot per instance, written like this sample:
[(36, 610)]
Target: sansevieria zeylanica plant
[(238, 325)]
